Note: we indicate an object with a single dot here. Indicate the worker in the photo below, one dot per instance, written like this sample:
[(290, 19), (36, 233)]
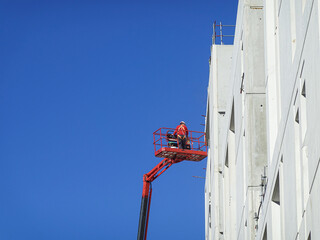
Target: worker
[(182, 132)]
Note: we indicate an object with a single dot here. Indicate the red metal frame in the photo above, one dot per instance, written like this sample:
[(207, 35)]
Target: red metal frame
[(164, 149), (148, 178), (167, 148)]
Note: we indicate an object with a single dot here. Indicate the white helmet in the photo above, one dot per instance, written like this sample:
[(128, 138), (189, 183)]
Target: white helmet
[(182, 122)]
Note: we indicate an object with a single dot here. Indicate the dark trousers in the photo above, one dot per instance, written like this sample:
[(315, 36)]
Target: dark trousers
[(182, 141)]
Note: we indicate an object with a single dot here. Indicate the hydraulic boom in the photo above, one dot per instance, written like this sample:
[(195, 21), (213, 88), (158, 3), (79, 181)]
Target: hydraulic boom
[(148, 178), (166, 146)]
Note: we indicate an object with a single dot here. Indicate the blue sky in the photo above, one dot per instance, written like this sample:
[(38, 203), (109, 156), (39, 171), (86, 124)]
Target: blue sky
[(83, 85)]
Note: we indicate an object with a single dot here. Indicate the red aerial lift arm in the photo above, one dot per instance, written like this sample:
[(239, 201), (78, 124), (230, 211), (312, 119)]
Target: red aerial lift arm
[(148, 178), (167, 146)]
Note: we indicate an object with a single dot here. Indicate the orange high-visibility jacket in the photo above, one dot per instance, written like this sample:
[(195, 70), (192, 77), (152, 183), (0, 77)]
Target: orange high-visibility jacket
[(181, 130)]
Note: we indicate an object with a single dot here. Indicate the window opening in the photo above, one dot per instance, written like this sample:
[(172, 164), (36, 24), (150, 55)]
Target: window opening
[(276, 192)]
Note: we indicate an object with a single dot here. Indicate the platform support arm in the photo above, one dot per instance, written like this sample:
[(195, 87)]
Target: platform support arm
[(144, 209), (146, 195)]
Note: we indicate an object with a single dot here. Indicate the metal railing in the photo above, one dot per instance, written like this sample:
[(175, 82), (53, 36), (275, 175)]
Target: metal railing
[(221, 36), (163, 137)]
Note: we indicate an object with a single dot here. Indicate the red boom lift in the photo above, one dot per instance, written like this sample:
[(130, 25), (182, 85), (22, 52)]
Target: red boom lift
[(166, 146)]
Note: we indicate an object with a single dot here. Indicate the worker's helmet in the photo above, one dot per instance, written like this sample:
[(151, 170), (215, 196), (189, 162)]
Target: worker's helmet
[(182, 122)]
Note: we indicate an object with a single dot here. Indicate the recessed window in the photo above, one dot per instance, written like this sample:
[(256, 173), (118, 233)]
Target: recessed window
[(232, 128), (309, 237), (303, 91), (227, 159), (265, 234), (276, 192), (297, 116)]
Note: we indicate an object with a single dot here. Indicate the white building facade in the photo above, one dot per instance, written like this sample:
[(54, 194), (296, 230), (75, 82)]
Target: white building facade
[(263, 109)]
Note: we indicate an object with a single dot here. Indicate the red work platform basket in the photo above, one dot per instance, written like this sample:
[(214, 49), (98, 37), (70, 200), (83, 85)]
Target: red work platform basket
[(166, 145)]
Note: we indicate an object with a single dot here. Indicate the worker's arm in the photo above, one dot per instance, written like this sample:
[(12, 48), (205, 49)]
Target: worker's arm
[(187, 132), (175, 131)]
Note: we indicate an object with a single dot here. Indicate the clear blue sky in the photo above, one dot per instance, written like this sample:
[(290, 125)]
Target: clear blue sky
[(83, 85)]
